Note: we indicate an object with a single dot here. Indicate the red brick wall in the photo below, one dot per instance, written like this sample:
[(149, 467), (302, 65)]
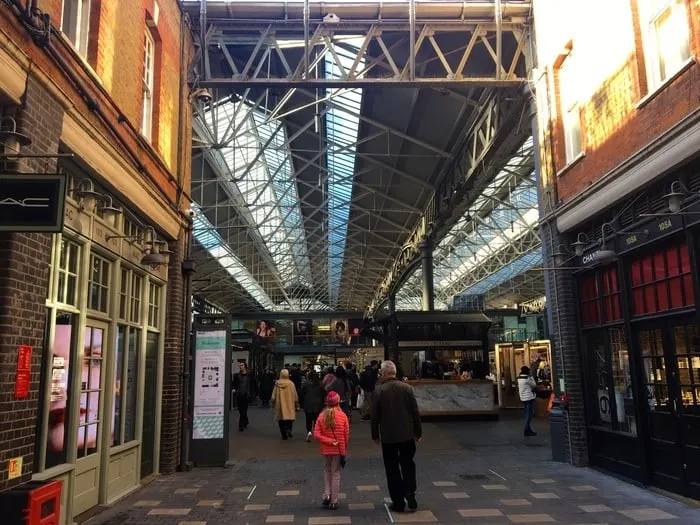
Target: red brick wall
[(115, 58), (24, 276), (614, 128)]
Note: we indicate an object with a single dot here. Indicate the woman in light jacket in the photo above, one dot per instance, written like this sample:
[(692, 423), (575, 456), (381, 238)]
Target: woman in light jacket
[(526, 389), (285, 402)]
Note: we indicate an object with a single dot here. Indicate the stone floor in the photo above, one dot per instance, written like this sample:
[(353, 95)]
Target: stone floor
[(473, 472)]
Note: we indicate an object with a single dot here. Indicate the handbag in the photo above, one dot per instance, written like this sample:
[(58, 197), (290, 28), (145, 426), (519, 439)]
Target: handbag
[(343, 461)]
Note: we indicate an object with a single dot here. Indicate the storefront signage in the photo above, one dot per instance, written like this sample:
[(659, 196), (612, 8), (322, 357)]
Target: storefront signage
[(14, 467), (650, 231), (23, 373), (534, 306), (32, 202), (589, 259)]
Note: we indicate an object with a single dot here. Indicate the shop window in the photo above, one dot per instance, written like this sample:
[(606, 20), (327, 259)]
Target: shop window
[(610, 380), (654, 362), (662, 281), (98, 297), (154, 304), (124, 293), (135, 306), (126, 374), (666, 38), (67, 270), (91, 391), (688, 361), (589, 297), (75, 23), (611, 295), (58, 378)]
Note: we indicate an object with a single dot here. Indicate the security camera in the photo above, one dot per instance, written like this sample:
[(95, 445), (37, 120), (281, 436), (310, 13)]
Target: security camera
[(202, 95), (192, 213)]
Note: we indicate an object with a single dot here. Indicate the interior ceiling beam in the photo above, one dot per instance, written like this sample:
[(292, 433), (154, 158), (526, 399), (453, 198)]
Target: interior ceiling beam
[(248, 43), (490, 142)]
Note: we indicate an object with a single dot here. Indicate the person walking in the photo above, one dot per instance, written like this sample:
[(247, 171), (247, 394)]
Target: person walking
[(313, 398), (396, 425), (368, 382), (285, 403), (526, 389), (267, 383), (243, 388), (341, 385), (333, 434)]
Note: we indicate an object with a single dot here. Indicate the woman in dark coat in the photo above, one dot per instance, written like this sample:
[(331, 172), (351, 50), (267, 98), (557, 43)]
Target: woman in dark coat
[(341, 385), (313, 395)]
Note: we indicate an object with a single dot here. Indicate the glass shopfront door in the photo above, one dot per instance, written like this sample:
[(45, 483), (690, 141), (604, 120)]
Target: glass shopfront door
[(670, 356), (90, 422)]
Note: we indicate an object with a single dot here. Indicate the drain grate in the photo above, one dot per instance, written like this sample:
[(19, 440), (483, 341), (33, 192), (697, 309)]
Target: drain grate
[(468, 477)]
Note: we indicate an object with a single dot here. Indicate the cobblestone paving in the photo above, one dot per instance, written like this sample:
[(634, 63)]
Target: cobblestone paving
[(473, 472)]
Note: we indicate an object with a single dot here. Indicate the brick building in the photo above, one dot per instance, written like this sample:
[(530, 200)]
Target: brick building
[(94, 91), (618, 99)]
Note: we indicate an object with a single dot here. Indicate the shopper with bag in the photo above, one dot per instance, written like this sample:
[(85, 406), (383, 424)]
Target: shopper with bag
[(527, 388), (332, 431)]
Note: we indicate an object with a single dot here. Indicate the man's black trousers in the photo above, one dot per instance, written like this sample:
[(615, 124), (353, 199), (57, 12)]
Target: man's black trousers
[(242, 411), (400, 470)]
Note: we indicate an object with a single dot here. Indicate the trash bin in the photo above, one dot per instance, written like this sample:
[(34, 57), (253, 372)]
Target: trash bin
[(557, 430), (32, 503)]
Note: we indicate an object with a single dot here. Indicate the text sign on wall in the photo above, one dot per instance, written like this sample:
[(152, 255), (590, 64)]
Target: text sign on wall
[(650, 231), (23, 373), (14, 467), (209, 407), (32, 202)]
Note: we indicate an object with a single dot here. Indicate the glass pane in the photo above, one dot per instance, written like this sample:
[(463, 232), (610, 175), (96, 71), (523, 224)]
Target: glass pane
[(674, 267), (72, 290), (598, 378), (92, 435), (676, 292), (91, 379), (64, 254), (659, 266), (131, 378), (104, 302), (649, 299), (73, 258), (624, 396), (689, 290), (60, 395), (662, 295), (61, 287), (118, 371)]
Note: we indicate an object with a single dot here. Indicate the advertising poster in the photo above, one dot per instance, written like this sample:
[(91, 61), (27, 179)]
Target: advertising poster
[(303, 331), (265, 329), (355, 327), (209, 385), (339, 331)]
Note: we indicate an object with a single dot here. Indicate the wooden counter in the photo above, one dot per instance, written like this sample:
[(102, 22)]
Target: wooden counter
[(454, 397)]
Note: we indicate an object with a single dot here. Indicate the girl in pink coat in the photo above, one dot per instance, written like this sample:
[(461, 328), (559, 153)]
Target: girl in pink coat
[(332, 431)]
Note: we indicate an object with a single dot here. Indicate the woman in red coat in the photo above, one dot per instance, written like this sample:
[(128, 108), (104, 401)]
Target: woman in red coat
[(333, 433)]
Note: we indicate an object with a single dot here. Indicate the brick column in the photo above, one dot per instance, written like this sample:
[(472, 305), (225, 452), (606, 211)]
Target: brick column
[(561, 301), (174, 351), (24, 277)]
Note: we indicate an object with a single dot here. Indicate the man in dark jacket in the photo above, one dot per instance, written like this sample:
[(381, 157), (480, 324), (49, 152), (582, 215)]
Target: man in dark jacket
[(368, 382), (396, 425), (243, 387)]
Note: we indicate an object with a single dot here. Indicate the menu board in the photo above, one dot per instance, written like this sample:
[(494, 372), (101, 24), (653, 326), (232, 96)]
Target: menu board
[(209, 385)]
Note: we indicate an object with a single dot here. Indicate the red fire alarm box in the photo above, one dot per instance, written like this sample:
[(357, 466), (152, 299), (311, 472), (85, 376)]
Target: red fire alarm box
[(23, 374), (33, 503)]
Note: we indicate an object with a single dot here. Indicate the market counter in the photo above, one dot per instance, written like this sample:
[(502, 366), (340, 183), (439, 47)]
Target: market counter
[(454, 397)]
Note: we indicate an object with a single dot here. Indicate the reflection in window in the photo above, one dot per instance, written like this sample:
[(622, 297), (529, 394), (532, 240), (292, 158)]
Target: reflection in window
[(126, 374), (59, 396), (685, 339), (655, 379), (68, 264), (90, 392), (666, 42), (622, 381)]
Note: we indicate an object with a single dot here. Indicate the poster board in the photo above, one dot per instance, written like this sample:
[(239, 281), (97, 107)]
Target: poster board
[(211, 390)]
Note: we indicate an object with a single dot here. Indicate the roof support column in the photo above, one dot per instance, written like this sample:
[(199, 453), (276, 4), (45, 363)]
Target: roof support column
[(426, 248)]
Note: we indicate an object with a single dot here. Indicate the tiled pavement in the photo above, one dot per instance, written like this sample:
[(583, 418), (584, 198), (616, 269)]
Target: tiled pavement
[(472, 472)]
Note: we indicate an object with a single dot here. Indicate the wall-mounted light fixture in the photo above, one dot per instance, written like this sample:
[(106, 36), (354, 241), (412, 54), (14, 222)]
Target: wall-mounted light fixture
[(86, 194), (579, 245), (107, 207), (675, 196)]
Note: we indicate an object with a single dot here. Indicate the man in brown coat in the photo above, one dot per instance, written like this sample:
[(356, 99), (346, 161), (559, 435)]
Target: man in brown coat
[(285, 402)]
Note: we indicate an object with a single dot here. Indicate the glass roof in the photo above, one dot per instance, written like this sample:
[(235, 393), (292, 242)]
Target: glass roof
[(505, 211), (262, 173), (211, 240), (342, 129)]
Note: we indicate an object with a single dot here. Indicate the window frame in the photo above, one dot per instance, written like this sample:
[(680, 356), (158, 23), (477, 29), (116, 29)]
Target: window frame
[(148, 85), (570, 109), (107, 266), (657, 73), (75, 24)]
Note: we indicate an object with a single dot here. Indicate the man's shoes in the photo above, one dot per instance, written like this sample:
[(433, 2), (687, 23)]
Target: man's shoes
[(333, 506), (412, 503), (326, 502), (289, 434), (308, 436), (396, 508), (529, 433)]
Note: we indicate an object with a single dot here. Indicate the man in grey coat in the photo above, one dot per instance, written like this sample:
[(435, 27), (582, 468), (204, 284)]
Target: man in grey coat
[(396, 425)]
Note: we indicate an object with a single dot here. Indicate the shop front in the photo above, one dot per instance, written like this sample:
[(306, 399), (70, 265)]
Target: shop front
[(100, 389), (640, 344)]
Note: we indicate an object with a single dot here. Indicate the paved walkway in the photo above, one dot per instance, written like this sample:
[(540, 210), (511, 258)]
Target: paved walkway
[(474, 472)]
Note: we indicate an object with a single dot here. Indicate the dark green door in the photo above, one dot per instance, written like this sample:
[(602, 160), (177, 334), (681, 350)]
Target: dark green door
[(149, 407)]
